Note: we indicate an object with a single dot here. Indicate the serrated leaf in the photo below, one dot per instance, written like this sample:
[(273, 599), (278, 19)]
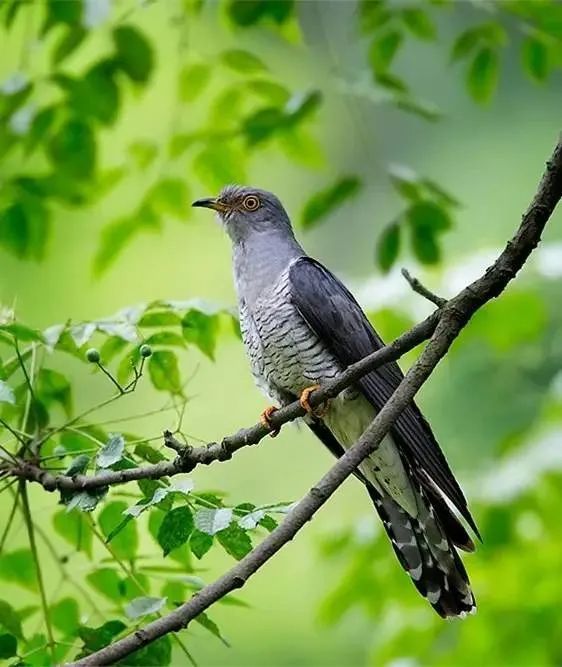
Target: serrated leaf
[(134, 53), (482, 76), (158, 496), (112, 451), (324, 202), (211, 521), (164, 371), (242, 61), (6, 394), (388, 247), (235, 541), (200, 543), (143, 606), (175, 529)]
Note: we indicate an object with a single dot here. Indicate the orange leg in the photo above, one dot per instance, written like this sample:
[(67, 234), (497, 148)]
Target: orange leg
[(304, 401), (265, 419)]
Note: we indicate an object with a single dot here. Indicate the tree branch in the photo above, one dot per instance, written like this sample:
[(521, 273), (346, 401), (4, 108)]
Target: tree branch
[(454, 316), (416, 285), (189, 457)]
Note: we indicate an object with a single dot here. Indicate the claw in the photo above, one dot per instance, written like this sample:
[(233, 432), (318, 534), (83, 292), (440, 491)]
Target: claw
[(265, 419), (304, 401)]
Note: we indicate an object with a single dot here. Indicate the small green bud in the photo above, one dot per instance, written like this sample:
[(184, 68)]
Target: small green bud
[(145, 351), (93, 356)]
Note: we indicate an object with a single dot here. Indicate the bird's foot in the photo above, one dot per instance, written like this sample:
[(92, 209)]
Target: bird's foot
[(321, 410), (265, 419)]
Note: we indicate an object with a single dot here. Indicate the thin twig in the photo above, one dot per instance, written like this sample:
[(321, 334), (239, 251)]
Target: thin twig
[(416, 285), (454, 316), (10, 521), (33, 547)]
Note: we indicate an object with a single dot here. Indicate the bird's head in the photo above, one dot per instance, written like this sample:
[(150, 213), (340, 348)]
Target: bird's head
[(245, 210)]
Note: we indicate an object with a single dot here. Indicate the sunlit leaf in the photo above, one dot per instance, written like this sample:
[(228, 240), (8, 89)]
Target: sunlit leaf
[(193, 81), (18, 567), (243, 61), (235, 541), (211, 521), (134, 53), (6, 394), (324, 202), (112, 451), (164, 371), (175, 529), (482, 77), (143, 606)]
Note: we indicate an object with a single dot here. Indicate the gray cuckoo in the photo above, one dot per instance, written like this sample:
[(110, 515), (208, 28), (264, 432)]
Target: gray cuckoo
[(301, 327)]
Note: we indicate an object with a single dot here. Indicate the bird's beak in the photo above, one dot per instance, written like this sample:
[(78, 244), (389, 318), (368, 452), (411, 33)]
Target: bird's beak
[(212, 203)]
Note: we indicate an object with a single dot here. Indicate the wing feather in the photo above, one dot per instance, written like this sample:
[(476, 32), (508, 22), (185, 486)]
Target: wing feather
[(336, 318)]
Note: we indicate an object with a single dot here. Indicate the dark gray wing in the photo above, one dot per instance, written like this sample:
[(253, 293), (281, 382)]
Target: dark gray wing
[(337, 319)]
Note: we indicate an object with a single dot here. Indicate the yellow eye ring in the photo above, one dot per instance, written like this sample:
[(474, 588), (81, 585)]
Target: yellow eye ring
[(251, 203)]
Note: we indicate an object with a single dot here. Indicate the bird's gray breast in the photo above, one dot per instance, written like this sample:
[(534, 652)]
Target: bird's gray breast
[(285, 354)]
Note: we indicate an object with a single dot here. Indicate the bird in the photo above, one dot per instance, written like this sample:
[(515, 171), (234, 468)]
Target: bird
[(301, 327)]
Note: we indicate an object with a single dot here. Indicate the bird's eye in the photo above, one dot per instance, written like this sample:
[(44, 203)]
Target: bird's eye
[(251, 203)]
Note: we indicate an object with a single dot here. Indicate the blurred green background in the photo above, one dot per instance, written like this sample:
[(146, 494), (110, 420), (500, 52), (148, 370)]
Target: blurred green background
[(334, 596)]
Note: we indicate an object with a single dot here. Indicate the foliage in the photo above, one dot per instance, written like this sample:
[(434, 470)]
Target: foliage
[(130, 555)]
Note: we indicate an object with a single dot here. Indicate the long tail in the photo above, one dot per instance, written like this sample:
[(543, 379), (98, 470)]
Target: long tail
[(425, 548)]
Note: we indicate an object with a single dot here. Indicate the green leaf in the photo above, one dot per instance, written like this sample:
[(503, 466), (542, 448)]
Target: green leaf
[(270, 91), (147, 453), (114, 238), (106, 581), (166, 338), (124, 543), (75, 529), (164, 318), (85, 501), (96, 638), (425, 245), (18, 567), (25, 227), (22, 333), (134, 53), (263, 124), (53, 387), (169, 196), (9, 619), (69, 42), (164, 371), (465, 43), (302, 105), (175, 529), (193, 81), (388, 247), (429, 215), (211, 521), (65, 615), (143, 153), (243, 61), (482, 76), (96, 94), (72, 149), (235, 541), (245, 13), (219, 163), (6, 394), (201, 330), (535, 56), (324, 202), (8, 646), (383, 50), (143, 606), (211, 626), (200, 543), (156, 653), (419, 23), (112, 451)]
